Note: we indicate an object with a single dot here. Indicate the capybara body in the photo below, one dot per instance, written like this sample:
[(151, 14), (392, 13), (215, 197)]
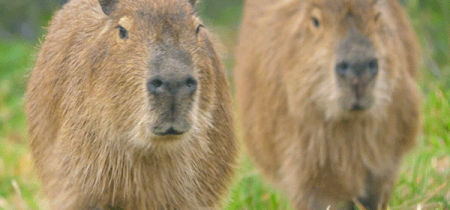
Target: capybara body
[(327, 97), (128, 107)]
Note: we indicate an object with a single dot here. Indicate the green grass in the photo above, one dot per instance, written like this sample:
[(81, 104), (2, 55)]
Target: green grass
[(425, 172), (424, 177), (15, 164)]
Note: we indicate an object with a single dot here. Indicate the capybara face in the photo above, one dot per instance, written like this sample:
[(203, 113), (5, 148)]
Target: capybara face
[(336, 57), (162, 66)]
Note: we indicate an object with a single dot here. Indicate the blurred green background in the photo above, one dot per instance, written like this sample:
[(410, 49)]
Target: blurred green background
[(425, 174)]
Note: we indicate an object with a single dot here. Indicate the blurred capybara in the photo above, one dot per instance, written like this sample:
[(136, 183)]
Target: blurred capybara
[(129, 108), (328, 98)]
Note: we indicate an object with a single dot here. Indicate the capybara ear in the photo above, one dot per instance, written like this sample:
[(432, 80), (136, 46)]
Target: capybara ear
[(108, 6), (193, 2)]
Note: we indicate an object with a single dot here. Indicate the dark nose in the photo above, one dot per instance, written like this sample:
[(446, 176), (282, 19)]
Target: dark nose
[(357, 68), (173, 85)]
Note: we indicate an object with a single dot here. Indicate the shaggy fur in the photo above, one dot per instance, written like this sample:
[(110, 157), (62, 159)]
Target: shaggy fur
[(288, 99), (89, 111)]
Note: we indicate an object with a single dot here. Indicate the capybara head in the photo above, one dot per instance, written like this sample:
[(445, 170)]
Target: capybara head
[(155, 66), (338, 59)]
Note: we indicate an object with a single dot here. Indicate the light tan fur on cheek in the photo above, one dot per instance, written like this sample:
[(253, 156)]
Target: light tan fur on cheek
[(105, 29), (313, 87), (384, 82)]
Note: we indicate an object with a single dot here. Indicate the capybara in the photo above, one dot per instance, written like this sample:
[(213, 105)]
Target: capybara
[(328, 97), (129, 108)]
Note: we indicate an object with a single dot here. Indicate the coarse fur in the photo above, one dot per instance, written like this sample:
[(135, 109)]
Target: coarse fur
[(90, 114), (288, 98)]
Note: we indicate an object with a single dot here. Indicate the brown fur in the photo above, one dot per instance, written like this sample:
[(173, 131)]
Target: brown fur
[(89, 111), (288, 100)]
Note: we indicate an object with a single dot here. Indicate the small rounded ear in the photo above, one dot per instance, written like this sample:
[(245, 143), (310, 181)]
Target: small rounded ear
[(108, 6), (193, 2)]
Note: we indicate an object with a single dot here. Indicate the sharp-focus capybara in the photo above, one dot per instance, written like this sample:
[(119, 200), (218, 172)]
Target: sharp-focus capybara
[(129, 108), (328, 98)]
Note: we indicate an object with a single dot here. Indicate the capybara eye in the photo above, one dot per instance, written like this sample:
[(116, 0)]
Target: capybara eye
[(197, 30), (373, 65), (377, 16), (315, 22), (123, 33)]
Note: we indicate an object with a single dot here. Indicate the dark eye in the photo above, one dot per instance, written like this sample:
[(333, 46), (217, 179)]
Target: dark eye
[(197, 30), (377, 16), (123, 33), (315, 22), (373, 65)]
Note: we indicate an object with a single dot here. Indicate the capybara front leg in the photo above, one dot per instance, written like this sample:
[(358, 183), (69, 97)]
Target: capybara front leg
[(377, 192), (327, 203)]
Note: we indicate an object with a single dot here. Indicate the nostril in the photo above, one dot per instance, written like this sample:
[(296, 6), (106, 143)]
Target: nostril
[(191, 83), (342, 68), (154, 85), (373, 66)]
